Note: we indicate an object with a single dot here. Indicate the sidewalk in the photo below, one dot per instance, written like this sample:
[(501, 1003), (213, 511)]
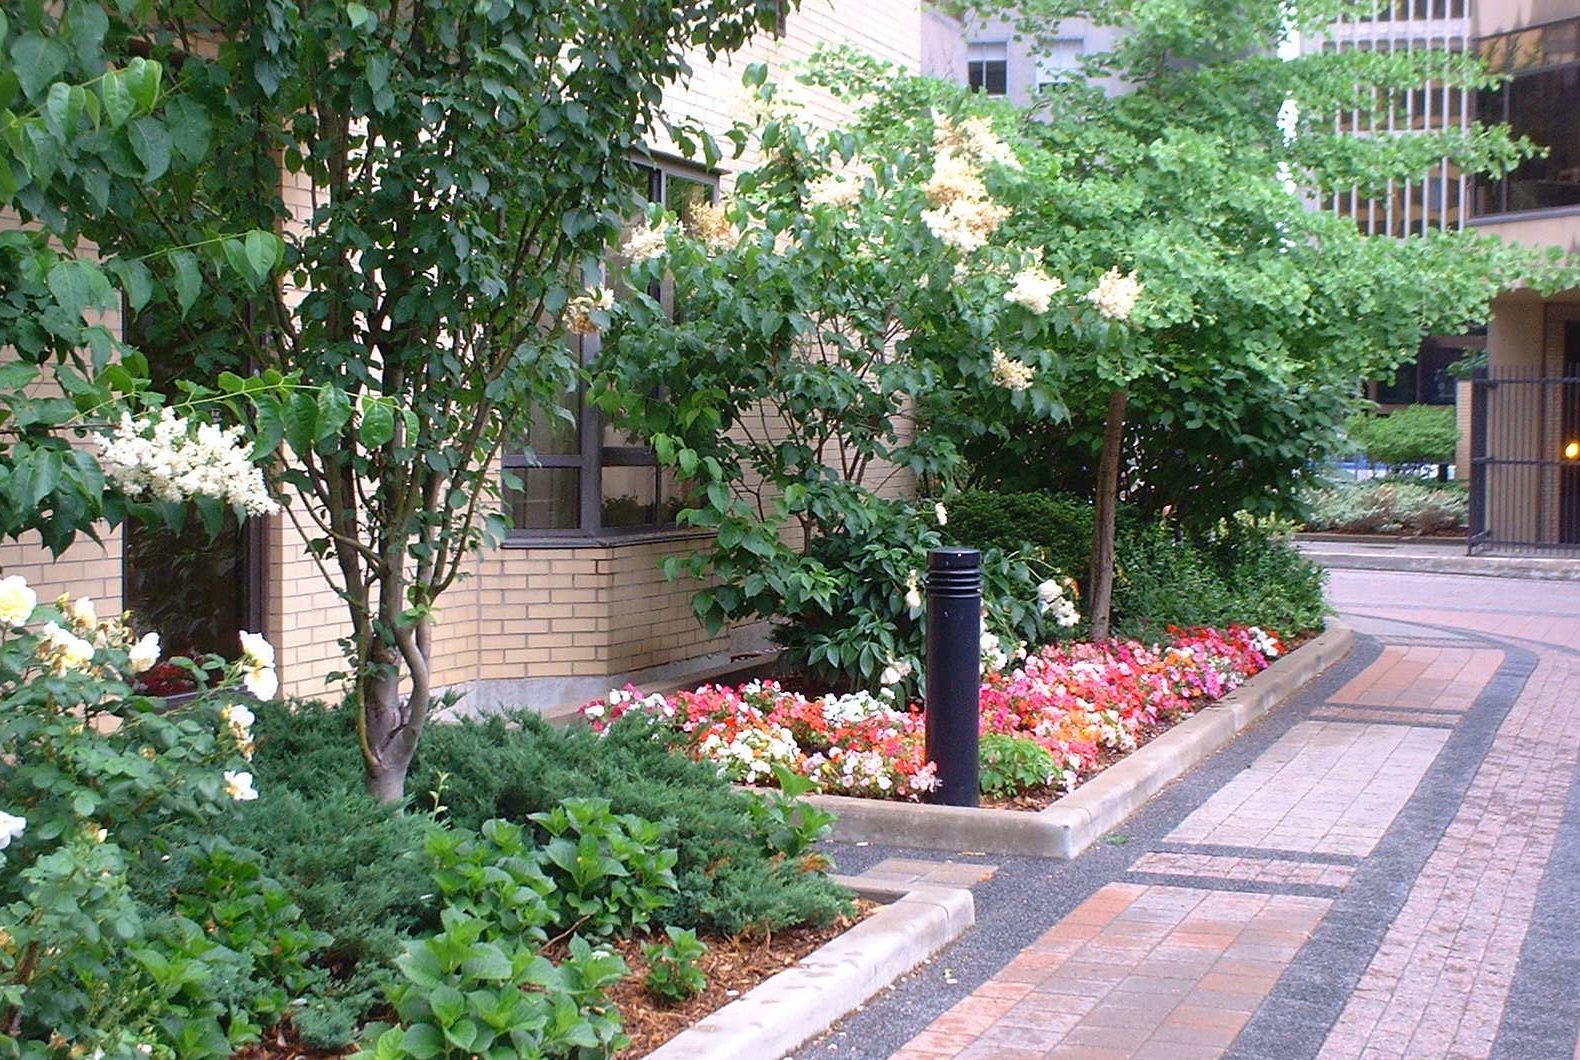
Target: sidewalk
[(1431, 556), (1389, 866)]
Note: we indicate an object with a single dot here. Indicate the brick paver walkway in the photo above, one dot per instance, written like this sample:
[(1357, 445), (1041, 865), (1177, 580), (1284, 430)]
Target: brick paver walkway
[(1395, 873)]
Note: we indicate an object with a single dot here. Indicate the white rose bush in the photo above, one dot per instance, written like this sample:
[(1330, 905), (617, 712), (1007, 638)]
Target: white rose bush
[(100, 786)]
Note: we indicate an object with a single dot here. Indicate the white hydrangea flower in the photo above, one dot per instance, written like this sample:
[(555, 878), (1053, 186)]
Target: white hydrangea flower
[(1034, 289), (238, 785), (144, 654), (1010, 373), (17, 601), (11, 827), (168, 458), (1116, 294), (646, 242)]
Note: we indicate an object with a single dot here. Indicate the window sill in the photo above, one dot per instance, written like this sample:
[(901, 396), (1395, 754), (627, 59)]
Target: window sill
[(1539, 214), (604, 538)]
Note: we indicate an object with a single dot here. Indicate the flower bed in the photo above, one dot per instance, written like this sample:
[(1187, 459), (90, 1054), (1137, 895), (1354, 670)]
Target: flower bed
[(1047, 724)]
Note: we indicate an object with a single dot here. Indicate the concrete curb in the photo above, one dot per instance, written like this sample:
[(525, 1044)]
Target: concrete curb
[(1530, 567), (799, 1003), (1080, 818)]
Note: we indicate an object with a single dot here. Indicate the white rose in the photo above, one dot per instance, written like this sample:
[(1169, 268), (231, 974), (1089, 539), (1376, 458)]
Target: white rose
[(82, 613), (239, 717), (71, 651), (144, 654), (1047, 592), (941, 513), (238, 785), (259, 652), (11, 826), (261, 681), (16, 601)]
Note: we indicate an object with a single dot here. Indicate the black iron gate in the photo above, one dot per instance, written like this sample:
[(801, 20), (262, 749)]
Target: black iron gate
[(1525, 462)]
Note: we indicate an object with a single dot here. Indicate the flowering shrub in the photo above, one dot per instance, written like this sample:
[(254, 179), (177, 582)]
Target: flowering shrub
[(101, 789), (1078, 702)]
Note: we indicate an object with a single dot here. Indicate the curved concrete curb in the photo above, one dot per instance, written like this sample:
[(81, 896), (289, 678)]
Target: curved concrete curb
[(802, 1002), (1535, 568), (1080, 818)]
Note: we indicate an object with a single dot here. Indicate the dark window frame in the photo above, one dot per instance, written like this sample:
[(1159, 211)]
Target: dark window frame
[(594, 454), (1538, 52), (989, 76)]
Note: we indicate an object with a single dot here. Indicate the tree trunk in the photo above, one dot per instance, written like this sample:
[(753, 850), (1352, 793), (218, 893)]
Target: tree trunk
[(1102, 563)]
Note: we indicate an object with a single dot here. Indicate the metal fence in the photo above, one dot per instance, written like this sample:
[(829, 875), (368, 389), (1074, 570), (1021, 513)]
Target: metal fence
[(1525, 463)]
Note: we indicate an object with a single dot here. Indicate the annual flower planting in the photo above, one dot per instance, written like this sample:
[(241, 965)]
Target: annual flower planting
[(1073, 706)]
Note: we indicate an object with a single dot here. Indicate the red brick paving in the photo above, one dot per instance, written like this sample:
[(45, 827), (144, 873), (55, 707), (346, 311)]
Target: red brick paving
[(1143, 971)]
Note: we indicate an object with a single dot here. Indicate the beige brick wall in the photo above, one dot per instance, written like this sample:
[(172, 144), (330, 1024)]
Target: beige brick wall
[(531, 615)]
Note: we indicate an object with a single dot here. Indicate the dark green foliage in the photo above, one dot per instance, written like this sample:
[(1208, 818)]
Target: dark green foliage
[(672, 972), (730, 877), (1411, 437), (1239, 571), (1013, 764), (1231, 577)]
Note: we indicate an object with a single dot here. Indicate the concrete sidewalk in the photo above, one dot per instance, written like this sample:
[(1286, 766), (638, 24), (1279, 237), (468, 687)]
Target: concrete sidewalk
[(1431, 556), (1388, 866)]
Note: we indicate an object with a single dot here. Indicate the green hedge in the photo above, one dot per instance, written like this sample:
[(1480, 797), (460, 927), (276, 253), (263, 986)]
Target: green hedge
[(1412, 437)]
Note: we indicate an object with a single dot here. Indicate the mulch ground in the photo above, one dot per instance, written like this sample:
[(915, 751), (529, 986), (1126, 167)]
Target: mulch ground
[(733, 966)]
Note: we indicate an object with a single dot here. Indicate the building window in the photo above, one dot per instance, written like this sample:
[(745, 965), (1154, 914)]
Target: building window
[(987, 68), (1062, 60), (577, 475), (197, 589), (1541, 100)]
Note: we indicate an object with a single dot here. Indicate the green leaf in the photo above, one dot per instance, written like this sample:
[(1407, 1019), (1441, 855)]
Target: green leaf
[(334, 412), (37, 61), (269, 430), (136, 283), (236, 257), (188, 279), (118, 102), (424, 1040), (378, 424), (151, 144), (300, 420), (265, 250)]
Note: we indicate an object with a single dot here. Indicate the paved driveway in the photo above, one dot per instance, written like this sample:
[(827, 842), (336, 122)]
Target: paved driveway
[(1389, 866)]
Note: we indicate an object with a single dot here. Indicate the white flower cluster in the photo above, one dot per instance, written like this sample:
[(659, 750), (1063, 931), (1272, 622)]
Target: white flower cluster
[(63, 650), (710, 222), (257, 659), (859, 770), (579, 311), (1051, 598), (653, 705), (238, 719), (1033, 289), (1265, 643), (963, 215), (896, 671), (646, 242), (17, 601), (169, 459), (855, 707), (11, 827), (238, 785), (751, 756), (1116, 294), (1010, 373), (144, 654), (842, 188), (913, 592)]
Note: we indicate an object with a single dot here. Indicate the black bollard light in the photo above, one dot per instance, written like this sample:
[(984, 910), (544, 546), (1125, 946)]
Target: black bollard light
[(954, 671)]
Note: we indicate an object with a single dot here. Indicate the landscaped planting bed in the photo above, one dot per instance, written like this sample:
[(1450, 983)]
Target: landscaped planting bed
[(1060, 716)]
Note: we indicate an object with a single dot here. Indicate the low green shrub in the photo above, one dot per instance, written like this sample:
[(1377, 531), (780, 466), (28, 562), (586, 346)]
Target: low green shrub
[(1057, 525), (733, 873), (1385, 506), (1013, 764), (1412, 437), (672, 971)]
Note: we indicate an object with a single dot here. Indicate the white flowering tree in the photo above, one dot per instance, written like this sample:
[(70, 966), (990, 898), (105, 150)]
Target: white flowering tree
[(1261, 315), (840, 303)]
